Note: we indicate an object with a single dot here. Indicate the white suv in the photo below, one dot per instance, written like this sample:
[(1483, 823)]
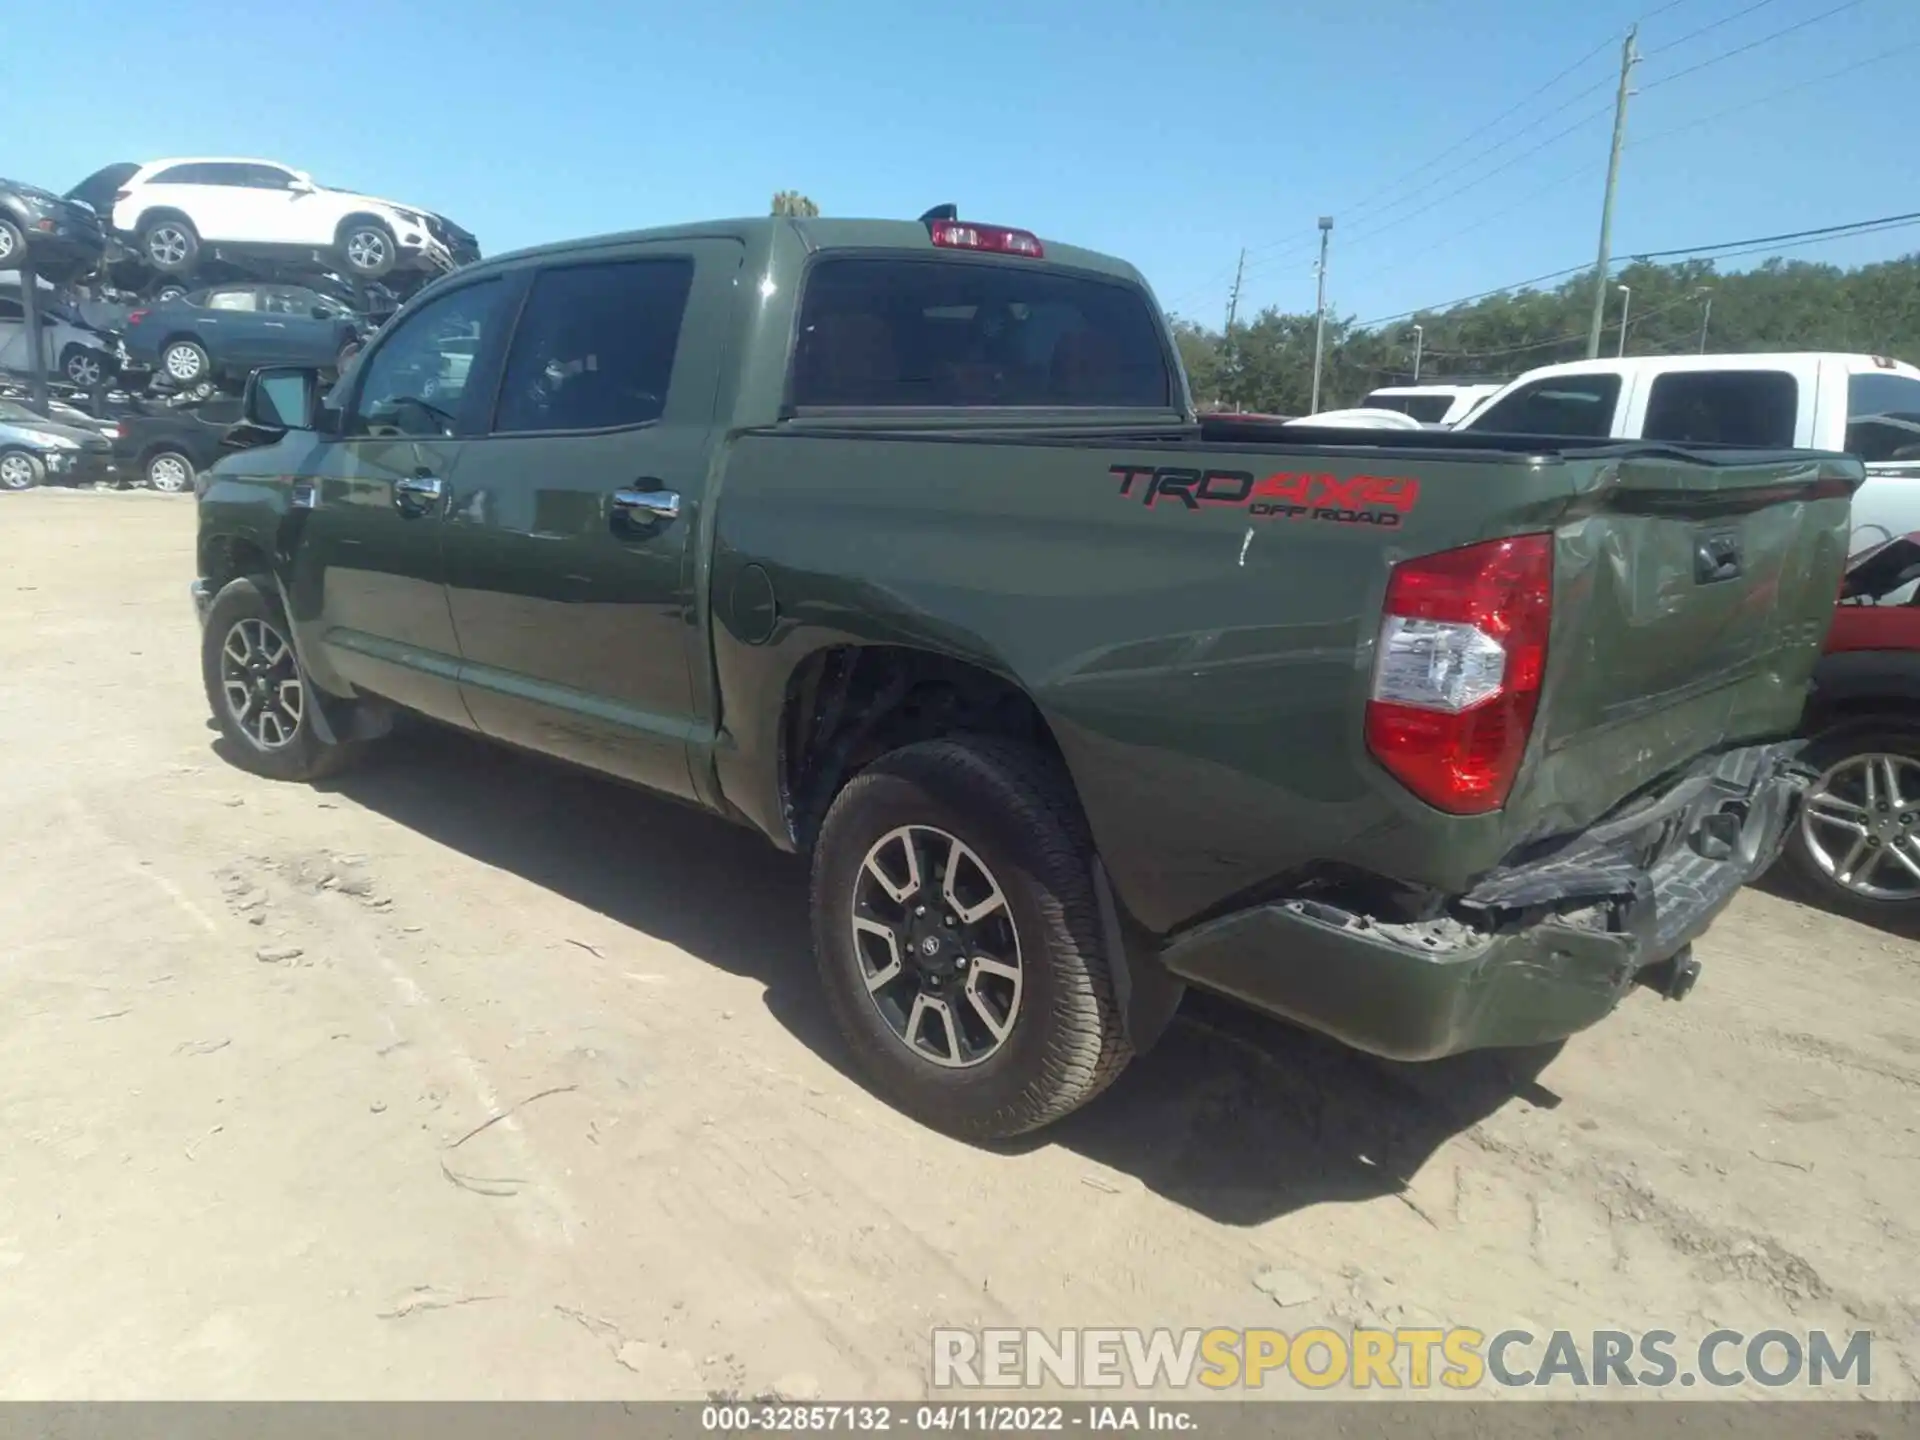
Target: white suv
[(172, 208)]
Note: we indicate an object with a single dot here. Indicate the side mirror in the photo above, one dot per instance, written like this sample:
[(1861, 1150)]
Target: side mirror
[(300, 185), (320, 312), (281, 398)]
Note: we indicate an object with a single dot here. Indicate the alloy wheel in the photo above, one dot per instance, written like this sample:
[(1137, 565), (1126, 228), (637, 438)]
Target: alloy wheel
[(366, 250), (183, 363), (167, 245), (169, 473), (16, 472), (84, 370), (1861, 825), (260, 680), (6, 243), (937, 945)]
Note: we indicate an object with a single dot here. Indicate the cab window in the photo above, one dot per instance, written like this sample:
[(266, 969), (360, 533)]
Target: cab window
[(1577, 406), (415, 382)]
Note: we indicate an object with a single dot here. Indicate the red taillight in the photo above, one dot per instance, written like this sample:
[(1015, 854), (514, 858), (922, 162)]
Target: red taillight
[(134, 317), (1463, 649), (960, 235)]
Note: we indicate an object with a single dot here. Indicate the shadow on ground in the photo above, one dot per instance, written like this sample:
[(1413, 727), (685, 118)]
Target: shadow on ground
[(1901, 920), (1233, 1115)]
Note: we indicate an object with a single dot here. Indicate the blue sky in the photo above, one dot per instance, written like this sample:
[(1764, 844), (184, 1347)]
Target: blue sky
[(1169, 134)]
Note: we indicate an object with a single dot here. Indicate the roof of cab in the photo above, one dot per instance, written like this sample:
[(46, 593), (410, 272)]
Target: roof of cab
[(818, 234), (1758, 360)]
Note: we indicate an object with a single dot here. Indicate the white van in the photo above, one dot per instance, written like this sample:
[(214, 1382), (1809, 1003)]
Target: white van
[(1866, 405), (1441, 405)]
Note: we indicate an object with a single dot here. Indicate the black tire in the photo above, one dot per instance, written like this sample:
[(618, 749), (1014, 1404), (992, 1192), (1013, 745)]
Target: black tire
[(185, 363), (85, 367), (302, 755), (1016, 812), (368, 249), (1838, 754), (170, 472), (20, 470), (167, 291), (13, 245), (170, 244)]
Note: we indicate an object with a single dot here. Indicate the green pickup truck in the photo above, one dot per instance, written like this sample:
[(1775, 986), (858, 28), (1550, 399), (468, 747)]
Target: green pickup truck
[(900, 543)]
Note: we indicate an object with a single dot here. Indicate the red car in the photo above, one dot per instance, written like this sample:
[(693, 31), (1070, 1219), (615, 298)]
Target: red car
[(1857, 847)]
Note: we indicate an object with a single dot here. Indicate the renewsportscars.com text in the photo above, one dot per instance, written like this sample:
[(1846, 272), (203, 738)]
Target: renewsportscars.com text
[(1322, 1358)]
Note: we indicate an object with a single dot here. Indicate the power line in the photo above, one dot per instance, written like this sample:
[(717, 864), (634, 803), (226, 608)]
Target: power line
[(1774, 95), (1753, 44), (1757, 242), (1706, 29)]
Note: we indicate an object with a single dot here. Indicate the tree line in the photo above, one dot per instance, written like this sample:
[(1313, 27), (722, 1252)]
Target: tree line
[(1266, 364)]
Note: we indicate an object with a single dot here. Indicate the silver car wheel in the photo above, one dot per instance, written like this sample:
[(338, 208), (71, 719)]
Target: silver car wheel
[(170, 473), (167, 245), (1861, 825), (367, 250)]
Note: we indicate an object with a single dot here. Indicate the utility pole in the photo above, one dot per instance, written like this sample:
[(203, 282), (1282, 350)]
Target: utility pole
[(1320, 315), (1629, 57), (1233, 309), (1419, 344), (1705, 320)]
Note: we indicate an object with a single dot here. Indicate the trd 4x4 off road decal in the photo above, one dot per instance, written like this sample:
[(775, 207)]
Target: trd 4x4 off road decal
[(1357, 500)]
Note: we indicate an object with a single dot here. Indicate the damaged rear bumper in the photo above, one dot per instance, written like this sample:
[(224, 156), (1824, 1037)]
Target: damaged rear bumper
[(1537, 950)]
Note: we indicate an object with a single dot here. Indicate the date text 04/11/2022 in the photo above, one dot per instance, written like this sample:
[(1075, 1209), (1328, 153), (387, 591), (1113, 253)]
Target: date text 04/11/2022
[(783, 1419)]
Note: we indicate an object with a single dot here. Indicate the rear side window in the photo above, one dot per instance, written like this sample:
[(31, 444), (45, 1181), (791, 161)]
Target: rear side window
[(897, 332), (1723, 407), (1577, 406), (1883, 418), (594, 349), (1427, 409)]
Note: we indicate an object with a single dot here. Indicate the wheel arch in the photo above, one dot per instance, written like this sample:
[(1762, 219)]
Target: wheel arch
[(156, 213), (844, 705), (359, 217)]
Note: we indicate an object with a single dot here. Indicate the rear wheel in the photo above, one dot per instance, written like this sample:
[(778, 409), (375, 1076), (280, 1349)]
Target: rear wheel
[(260, 697), (169, 472), (1856, 848), (956, 934), (185, 363), (170, 244), (20, 470)]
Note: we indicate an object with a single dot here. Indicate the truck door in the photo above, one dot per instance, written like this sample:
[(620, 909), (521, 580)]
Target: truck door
[(571, 534), (367, 583)]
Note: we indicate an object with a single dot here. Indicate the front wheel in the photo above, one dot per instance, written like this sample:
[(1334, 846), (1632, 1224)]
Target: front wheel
[(369, 249), (20, 470), (83, 367), (260, 697), (1856, 847), (957, 937), (13, 245)]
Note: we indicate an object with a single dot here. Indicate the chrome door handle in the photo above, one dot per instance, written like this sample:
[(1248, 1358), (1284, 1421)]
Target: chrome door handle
[(415, 494), (647, 505)]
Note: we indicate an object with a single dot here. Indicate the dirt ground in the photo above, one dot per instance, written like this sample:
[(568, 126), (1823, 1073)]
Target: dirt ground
[(254, 1035)]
